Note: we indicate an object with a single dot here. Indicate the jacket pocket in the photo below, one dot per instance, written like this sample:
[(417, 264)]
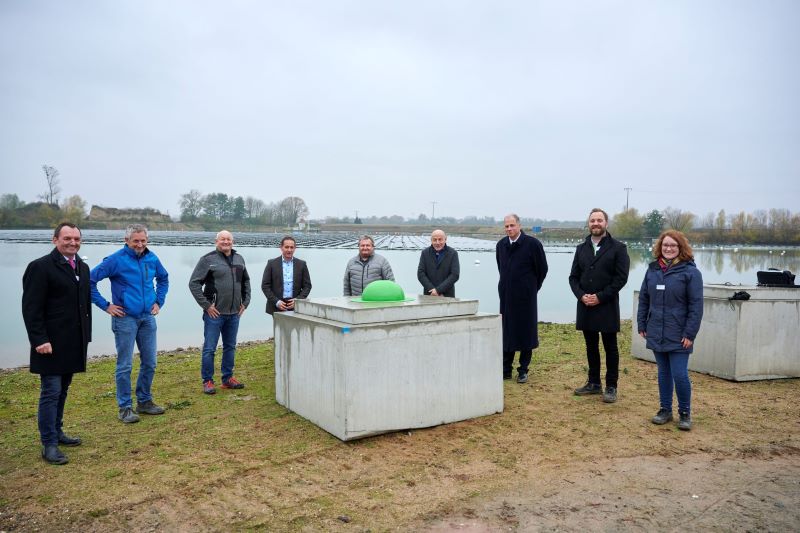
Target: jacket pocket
[(54, 312)]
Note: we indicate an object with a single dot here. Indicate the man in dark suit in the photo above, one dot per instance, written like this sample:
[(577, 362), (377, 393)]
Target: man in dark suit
[(56, 308), (285, 279), (599, 271), (438, 268), (523, 267)]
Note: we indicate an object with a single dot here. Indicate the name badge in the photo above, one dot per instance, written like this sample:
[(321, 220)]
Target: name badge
[(661, 287)]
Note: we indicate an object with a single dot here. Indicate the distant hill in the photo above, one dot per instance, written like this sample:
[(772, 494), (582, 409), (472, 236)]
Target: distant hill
[(112, 214)]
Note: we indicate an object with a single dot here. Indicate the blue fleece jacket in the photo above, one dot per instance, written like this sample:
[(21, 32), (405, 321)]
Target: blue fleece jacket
[(670, 306), (132, 279)]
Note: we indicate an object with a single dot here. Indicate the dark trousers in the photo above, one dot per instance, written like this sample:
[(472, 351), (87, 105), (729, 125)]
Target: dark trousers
[(524, 361), (592, 339), (52, 397)]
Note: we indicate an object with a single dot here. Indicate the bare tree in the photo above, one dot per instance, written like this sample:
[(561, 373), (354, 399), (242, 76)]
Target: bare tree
[(742, 223), (708, 220), (292, 209), (253, 208), (720, 224), (74, 209), (11, 202), (50, 196), (780, 222), (678, 220), (191, 205), (760, 218)]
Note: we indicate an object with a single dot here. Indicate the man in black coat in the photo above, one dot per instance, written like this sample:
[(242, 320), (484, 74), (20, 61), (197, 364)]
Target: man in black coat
[(56, 308), (599, 272), (285, 279), (523, 267), (438, 268)]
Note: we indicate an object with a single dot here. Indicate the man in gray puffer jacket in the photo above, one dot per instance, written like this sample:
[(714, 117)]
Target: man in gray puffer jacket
[(365, 268)]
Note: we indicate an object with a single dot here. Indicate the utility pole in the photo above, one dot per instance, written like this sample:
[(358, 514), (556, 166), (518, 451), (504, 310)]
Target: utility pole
[(433, 210), (627, 196)]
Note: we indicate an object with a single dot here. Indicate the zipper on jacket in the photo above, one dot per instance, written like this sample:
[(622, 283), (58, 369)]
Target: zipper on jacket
[(142, 276), (233, 283)]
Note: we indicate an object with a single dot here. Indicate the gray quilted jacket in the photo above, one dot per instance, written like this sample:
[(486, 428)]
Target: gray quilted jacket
[(359, 274)]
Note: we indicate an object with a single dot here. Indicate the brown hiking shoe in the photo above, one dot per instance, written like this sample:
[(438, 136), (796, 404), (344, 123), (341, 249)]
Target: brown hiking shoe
[(232, 383)]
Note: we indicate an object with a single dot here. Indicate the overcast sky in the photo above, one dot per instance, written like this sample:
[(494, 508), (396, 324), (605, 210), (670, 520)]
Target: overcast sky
[(542, 108)]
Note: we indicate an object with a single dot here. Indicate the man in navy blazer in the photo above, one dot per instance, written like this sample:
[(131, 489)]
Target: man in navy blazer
[(438, 268), (285, 279)]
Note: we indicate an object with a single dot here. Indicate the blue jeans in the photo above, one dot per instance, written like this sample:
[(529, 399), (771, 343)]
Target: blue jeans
[(142, 331), (52, 397), (673, 367), (228, 326)]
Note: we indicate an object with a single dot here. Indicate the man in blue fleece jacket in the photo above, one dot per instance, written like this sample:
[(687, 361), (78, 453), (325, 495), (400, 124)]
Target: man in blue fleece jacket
[(133, 309)]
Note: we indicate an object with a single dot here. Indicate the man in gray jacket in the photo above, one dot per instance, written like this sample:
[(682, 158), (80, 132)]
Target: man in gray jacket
[(221, 286), (365, 268)]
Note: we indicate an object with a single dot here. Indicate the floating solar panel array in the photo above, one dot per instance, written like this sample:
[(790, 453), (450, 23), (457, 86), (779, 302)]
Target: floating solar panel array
[(268, 240)]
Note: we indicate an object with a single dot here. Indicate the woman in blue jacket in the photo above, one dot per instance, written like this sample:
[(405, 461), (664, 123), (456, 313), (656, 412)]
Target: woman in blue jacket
[(670, 310)]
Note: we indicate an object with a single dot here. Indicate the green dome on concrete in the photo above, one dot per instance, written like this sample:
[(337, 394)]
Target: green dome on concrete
[(383, 290)]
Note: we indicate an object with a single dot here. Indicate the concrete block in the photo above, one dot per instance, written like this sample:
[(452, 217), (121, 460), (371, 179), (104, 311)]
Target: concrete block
[(360, 379), (343, 309), (742, 340)]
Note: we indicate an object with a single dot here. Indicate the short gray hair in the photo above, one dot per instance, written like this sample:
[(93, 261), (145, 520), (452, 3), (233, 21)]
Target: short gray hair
[(135, 228), (366, 238), (512, 215)]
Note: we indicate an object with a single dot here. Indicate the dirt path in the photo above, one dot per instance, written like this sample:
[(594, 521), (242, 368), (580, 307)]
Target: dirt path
[(698, 492)]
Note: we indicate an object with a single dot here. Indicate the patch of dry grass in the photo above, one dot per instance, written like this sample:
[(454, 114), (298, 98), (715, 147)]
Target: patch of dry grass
[(238, 460)]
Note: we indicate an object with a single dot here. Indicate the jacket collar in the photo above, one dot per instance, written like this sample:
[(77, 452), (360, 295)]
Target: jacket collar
[(603, 245), (522, 235), (63, 264), (129, 251), (233, 252)]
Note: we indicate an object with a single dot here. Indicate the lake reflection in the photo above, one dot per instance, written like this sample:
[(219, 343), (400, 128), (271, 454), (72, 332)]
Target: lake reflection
[(180, 323)]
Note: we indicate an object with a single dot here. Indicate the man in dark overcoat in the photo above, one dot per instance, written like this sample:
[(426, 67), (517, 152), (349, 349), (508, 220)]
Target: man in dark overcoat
[(438, 268), (56, 308), (523, 267), (599, 271)]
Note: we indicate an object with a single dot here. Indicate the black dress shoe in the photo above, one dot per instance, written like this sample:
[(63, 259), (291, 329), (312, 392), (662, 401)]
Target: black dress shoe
[(66, 440), (53, 455)]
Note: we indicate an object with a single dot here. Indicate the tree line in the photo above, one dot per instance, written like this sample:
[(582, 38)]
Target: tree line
[(221, 207), (49, 210), (763, 226), (772, 226), (470, 220)]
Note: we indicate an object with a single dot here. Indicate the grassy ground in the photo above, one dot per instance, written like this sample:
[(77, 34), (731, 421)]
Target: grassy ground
[(239, 461)]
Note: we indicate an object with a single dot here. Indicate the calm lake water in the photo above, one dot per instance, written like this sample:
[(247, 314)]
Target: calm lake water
[(180, 322)]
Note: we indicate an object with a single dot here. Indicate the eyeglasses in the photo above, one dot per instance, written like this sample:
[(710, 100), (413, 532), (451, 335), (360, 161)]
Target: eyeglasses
[(670, 246)]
